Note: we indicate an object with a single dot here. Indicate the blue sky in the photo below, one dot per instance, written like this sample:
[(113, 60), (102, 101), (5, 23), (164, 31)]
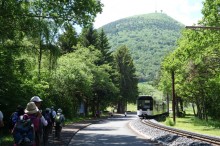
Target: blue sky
[(187, 12)]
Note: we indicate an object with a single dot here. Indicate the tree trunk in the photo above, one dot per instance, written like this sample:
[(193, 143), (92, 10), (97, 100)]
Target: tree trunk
[(181, 103), (121, 107), (40, 49), (199, 112), (98, 107), (168, 107), (93, 109), (177, 106), (194, 112), (39, 60)]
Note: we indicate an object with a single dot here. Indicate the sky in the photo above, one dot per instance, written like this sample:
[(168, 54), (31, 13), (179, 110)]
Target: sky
[(187, 12)]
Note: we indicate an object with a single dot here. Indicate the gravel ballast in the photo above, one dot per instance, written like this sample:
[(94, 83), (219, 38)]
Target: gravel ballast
[(163, 137)]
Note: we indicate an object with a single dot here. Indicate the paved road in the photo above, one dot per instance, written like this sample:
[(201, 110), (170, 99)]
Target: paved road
[(113, 131)]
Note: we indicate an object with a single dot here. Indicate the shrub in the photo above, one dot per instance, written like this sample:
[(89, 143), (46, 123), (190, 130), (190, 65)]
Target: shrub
[(169, 122)]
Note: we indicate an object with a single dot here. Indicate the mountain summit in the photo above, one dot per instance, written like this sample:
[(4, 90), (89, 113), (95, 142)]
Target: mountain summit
[(149, 37)]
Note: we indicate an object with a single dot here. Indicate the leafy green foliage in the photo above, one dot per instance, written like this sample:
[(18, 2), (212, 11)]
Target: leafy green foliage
[(29, 50), (196, 65), (68, 39), (127, 77), (149, 37)]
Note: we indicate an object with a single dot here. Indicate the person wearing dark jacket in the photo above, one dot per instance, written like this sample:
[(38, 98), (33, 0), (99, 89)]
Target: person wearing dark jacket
[(47, 129), (1, 124)]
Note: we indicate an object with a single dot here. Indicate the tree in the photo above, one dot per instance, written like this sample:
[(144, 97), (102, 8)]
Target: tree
[(29, 32), (104, 47), (68, 39), (127, 78), (89, 36), (72, 81)]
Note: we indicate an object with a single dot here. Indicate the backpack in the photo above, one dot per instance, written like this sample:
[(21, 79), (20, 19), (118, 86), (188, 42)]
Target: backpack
[(48, 117), (58, 119), (12, 123), (37, 123), (23, 132)]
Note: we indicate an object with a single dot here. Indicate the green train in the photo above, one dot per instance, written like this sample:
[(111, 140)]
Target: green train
[(147, 107)]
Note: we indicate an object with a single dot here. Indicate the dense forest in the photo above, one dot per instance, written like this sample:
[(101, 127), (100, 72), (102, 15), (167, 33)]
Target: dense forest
[(42, 54), (150, 37)]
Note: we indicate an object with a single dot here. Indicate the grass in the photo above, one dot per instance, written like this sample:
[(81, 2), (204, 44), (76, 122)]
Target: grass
[(6, 141), (193, 124), (130, 107), (190, 123), (6, 138)]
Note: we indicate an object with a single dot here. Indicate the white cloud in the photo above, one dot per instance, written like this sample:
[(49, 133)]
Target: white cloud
[(187, 12)]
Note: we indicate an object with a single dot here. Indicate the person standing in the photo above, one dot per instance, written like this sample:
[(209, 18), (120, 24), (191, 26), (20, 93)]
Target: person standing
[(47, 129), (1, 119), (35, 115), (15, 117), (27, 128), (1, 125), (37, 100), (53, 112), (59, 123)]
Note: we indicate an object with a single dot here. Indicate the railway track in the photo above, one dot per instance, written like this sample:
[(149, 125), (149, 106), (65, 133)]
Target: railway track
[(204, 138)]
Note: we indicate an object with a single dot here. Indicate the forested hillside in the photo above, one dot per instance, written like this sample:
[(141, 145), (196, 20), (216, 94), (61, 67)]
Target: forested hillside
[(149, 37)]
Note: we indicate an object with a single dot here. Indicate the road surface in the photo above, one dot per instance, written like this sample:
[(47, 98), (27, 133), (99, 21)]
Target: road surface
[(112, 131)]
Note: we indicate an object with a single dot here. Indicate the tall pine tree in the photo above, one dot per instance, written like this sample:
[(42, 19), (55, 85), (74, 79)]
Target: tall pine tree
[(127, 80)]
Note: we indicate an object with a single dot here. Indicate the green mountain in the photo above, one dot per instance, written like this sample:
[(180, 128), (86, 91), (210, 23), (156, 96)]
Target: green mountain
[(149, 37)]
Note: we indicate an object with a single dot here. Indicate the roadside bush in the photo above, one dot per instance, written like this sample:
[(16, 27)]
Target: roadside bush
[(169, 122)]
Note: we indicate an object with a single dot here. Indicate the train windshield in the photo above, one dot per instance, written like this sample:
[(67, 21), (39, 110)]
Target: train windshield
[(144, 104)]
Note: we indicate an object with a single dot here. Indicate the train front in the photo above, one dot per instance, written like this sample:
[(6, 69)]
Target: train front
[(144, 106)]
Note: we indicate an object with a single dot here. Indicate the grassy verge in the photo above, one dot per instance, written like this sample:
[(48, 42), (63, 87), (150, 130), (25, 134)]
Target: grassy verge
[(193, 124), (6, 138)]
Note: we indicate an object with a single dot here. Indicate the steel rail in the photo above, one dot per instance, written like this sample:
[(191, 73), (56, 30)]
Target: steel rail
[(210, 139)]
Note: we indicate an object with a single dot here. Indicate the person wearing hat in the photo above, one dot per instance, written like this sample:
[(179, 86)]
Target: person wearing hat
[(59, 123), (32, 112), (37, 100)]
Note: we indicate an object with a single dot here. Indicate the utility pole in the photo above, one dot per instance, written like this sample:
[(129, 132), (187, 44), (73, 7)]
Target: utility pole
[(174, 98)]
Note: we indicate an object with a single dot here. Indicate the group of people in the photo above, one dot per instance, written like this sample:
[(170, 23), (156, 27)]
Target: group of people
[(33, 126)]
